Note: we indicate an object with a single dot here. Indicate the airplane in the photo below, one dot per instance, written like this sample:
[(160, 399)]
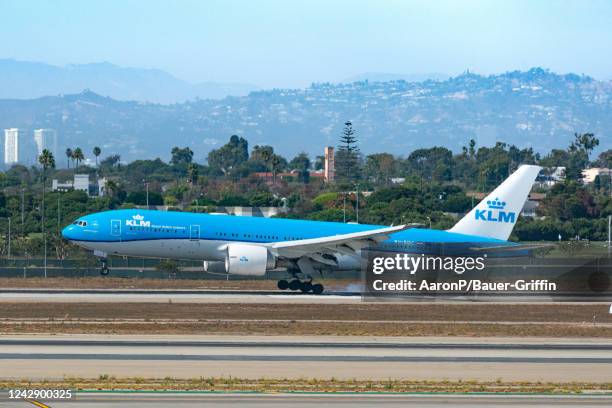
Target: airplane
[(251, 246)]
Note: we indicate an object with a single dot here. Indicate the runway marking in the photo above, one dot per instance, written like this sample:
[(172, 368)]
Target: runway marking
[(302, 344), (38, 404), (272, 358)]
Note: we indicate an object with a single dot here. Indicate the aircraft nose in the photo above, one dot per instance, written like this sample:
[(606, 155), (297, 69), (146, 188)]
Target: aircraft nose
[(69, 232)]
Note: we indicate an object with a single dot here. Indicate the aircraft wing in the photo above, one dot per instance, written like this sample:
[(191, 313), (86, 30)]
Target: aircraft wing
[(344, 243)]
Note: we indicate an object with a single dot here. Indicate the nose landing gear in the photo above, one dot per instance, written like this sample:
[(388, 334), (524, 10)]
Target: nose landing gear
[(104, 269)]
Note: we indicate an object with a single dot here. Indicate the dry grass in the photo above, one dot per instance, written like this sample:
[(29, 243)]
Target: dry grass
[(378, 312), (135, 283), (314, 328), (271, 385), (372, 319)]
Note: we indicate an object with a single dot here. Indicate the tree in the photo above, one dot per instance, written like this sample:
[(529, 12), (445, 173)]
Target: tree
[(262, 154), (579, 151), (47, 161), (584, 142), (270, 161), (181, 156), (472, 149), (97, 151), (230, 155), (192, 173), (68, 156), (605, 159), (110, 161), (301, 163), (380, 167), (275, 162), (431, 164), (78, 155), (112, 188), (347, 156)]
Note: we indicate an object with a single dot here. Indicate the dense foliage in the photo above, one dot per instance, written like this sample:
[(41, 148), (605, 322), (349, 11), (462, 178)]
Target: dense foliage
[(431, 186)]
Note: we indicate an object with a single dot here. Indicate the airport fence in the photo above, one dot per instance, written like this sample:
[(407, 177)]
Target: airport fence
[(129, 268)]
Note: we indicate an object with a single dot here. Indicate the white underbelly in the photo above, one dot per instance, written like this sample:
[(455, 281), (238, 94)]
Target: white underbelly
[(163, 248)]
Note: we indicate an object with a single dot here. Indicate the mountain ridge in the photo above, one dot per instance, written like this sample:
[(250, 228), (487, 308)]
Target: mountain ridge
[(28, 80), (536, 108)]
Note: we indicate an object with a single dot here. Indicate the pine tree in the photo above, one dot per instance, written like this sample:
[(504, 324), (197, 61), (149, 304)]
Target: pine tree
[(347, 156)]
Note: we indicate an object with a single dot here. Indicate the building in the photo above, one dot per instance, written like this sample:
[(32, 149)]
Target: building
[(288, 175), (532, 203), (11, 146), (81, 183), (330, 165), (265, 212), (46, 139), (589, 175), (552, 176)]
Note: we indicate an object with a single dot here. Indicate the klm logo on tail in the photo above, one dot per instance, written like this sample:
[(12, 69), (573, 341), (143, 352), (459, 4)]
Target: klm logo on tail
[(495, 212)]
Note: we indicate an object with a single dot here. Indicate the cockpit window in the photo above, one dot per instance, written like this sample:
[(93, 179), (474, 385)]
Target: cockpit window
[(80, 223)]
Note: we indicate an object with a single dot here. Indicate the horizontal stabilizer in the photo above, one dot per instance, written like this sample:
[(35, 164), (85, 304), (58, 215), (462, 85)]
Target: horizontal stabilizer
[(517, 247)]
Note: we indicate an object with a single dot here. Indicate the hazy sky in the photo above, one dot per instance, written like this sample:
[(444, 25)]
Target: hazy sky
[(288, 43)]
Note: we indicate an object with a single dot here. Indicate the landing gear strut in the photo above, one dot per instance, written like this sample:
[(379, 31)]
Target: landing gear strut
[(104, 269)]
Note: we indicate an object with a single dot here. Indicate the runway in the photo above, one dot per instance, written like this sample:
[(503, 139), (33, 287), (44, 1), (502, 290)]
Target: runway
[(98, 400), (28, 295), (178, 296), (407, 358)]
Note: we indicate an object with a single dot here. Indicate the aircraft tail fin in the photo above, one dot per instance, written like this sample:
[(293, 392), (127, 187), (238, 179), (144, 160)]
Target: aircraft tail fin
[(496, 215)]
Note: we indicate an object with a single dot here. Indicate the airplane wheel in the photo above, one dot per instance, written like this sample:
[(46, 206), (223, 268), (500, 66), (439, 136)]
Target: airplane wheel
[(306, 287), (295, 284), (104, 271), (282, 284), (317, 288)]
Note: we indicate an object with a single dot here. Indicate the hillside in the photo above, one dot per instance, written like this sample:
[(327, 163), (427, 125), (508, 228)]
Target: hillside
[(535, 108)]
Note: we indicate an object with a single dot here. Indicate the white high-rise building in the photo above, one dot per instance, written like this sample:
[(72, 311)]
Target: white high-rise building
[(46, 139), (11, 146)]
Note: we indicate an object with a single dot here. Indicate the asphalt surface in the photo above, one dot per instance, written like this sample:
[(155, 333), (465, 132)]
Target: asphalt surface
[(240, 357), (28, 295), (316, 400), (177, 296)]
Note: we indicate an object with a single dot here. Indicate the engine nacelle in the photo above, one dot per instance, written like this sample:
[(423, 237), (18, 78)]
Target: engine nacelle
[(253, 260), (214, 266)]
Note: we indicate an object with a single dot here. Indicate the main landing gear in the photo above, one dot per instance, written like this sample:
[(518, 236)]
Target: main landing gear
[(304, 286), (305, 269)]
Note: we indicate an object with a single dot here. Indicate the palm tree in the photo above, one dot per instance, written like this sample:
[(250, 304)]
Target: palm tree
[(68, 156), (192, 174), (274, 163), (47, 160), (78, 156), (112, 188), (97, 151)]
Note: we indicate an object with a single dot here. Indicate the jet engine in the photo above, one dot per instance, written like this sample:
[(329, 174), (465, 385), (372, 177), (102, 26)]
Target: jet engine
[(250, 260), (214, 267)]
